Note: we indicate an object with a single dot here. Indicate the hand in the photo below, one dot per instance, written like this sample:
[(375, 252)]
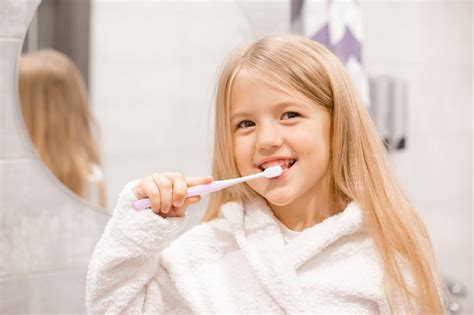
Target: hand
[(167, 192)]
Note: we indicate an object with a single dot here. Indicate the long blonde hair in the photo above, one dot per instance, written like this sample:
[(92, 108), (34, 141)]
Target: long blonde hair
[(58, 118), (359, 164)]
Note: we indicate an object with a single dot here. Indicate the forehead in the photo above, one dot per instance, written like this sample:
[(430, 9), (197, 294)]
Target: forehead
[(250, 93)]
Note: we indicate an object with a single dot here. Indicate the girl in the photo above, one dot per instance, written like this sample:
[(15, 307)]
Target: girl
[(57, 115), (333, 234)]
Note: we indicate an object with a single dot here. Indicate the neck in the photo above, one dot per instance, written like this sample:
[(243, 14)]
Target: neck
[(315, 205)]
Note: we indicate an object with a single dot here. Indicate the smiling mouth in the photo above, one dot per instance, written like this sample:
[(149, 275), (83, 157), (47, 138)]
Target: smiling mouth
[(285, 165)]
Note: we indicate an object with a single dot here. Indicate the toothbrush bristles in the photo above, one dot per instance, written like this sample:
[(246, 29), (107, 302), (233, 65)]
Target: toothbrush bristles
[(273, 171)]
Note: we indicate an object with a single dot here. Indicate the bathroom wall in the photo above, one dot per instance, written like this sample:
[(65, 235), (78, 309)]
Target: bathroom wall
[(154, 65), (171, 57), (46, 234), (151, 54), (429, 44)]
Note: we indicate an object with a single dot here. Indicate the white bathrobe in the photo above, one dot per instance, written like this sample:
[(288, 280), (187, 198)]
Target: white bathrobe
[(236, 263)]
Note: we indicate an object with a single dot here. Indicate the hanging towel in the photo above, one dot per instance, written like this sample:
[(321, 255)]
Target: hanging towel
[(337, 24)]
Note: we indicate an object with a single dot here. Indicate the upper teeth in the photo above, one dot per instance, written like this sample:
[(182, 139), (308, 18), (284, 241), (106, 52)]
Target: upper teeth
[(282, 163)]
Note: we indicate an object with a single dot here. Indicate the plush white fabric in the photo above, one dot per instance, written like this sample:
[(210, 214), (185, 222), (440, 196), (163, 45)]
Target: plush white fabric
[(236, 263)]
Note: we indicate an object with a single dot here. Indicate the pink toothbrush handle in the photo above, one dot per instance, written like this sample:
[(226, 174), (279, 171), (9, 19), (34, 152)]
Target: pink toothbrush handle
[(141, 204), (191, 192)]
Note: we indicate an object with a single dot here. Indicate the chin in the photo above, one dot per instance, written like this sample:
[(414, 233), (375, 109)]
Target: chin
[(278, 198)]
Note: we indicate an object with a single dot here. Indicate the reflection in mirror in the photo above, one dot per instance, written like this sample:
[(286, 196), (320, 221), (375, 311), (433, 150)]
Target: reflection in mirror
[(59, 121), (53, 76)]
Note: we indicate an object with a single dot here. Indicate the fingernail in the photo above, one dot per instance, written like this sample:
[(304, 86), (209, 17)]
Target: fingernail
[(176, 203)]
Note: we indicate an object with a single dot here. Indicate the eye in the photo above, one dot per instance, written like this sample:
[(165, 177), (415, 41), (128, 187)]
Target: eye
[(291, 114), (244, 124)]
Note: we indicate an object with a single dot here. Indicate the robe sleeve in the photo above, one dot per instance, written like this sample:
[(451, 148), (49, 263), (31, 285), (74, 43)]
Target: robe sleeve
[(125, 275)]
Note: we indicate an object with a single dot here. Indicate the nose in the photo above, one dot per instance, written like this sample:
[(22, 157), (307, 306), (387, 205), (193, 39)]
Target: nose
[(268, 136)]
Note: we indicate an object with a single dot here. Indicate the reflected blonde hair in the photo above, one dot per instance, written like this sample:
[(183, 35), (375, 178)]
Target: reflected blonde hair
[(58, 118), (359, 164)]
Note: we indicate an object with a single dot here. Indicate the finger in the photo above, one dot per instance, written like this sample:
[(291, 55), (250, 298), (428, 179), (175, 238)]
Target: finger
[(165, 215), (179, 188), (191, 200), (151, 191), (181, 210), (173, 213), (166, 191), (193, 181), (137, 191)]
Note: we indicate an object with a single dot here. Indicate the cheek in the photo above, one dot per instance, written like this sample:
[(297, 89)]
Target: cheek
[(242, 151), (308, 141), (315, 145)]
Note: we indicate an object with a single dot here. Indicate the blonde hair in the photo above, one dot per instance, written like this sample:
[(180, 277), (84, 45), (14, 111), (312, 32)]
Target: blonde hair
[(56, 113), (359, 165)]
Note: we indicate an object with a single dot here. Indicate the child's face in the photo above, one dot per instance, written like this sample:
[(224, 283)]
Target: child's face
[(274, 124)]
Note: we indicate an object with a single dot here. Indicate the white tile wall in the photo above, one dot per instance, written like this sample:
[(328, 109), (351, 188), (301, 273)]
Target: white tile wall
[(55, 292), (429, 44), (15, 15), (46, 233), (44, 225), (153, 70)]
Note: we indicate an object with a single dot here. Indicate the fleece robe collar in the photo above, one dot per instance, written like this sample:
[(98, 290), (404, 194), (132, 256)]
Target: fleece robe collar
[(259, 236)]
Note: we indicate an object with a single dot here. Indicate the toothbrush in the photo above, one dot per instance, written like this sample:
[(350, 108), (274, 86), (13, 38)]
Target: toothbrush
[(270, 172)]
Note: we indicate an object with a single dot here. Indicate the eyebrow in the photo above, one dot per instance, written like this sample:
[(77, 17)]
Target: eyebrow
[(276, 106)]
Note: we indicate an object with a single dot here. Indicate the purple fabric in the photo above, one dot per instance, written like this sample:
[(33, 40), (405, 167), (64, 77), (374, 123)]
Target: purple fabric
[(345, 47), (348, 46), (322, 36)]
